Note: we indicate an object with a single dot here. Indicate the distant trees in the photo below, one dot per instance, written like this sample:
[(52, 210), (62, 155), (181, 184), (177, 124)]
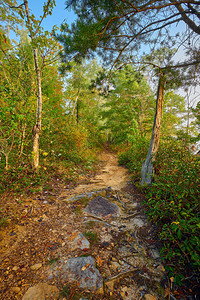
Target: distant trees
[(128, 109), (117, 30), (18, 99), (45, 51)]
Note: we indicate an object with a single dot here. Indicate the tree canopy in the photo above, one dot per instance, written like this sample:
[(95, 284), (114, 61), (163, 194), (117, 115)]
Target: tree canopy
[(118, 29)]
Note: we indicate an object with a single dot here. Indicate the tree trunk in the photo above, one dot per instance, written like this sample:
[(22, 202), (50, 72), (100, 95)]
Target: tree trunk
[(76, 100), (77, 112), (38, 124), (147, 167), (22, 140), (36, 135), (6, 166), (37, 127)]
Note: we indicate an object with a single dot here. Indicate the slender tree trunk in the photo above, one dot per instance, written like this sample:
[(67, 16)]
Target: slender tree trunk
[(188, 115), (77, 113), (6, 156), (22, 140), (76, 100), (38, 123), (147, 167)]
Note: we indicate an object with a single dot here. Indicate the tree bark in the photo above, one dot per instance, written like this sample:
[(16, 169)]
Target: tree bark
[(147, 167), (76, 100), (38, 123), (186, 19)]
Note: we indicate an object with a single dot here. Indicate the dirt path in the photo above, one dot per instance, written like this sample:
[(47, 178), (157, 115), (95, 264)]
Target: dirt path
[(111, 174), (101, 224)]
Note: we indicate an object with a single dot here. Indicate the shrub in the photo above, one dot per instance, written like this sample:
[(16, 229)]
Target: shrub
[(173, 204), (134, 156)]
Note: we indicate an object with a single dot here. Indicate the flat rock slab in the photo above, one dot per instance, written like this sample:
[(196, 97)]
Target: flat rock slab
[(41, 291), (102, 207), (82, 271), (76, 240)]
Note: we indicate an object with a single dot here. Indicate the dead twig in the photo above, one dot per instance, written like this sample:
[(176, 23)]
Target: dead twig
[(121, 274), (100, 220), (131, 216), (118, 198)]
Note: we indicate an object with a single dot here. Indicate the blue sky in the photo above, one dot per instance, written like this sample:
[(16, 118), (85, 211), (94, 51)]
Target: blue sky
[(59, 13)]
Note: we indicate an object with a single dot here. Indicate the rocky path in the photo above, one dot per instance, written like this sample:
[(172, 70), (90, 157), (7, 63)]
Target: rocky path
[(91, 242)]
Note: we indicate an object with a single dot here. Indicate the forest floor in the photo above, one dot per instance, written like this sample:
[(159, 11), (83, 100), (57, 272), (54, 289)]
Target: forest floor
[(89, 241)]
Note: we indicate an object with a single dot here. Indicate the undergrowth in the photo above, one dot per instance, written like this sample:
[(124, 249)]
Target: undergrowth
[(172, 202), (23, 179)]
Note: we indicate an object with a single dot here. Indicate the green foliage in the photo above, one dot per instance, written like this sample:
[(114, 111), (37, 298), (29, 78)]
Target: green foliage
[(64, 144), (196, 112), (127, 111), (172, 201), (24, 179), (172, 109), (73, 292), (173, 204), (134, 156), (52, 261), (90, 224), (3, 222), (92, 236)]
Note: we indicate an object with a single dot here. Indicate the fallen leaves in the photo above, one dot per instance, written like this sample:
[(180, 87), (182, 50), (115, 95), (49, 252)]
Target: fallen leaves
[(85, 267), (99, 261)]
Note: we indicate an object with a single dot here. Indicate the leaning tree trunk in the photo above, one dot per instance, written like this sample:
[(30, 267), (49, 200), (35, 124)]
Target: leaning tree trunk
[(147, 167)]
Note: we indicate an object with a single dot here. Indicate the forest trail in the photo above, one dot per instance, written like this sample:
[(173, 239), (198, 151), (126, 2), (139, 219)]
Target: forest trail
[(92, 241), (110, 175)]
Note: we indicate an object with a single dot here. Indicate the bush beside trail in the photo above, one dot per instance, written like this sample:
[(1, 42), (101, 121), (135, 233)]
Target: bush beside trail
[(172, 203)]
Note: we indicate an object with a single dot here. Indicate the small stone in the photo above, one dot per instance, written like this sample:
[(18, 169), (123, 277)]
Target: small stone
[(15, 268), (36, 266), (115, 266), (149, 297), (44, 217), (16, 289), (41, 291), (23, 270), (105, 237), (110, 285), (154, 253), (12, 233)]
